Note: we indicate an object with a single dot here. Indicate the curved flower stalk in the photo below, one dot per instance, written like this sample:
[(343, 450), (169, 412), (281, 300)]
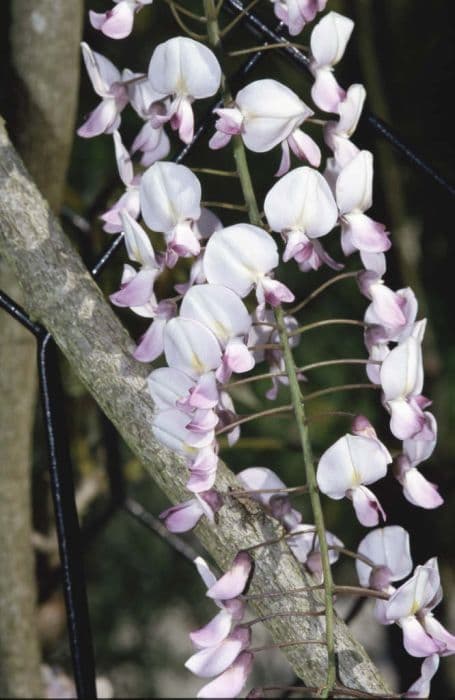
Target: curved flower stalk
[(117, 22), (266, 114), (107, 83), (183, 70), (295, 14)]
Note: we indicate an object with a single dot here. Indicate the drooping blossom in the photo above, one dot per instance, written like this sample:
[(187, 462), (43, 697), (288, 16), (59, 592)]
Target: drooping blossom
[(241, 257), (388, 549), (345, 468), (183, 70), (354, 197), (295, 14), (170, 197), (305, 546), (152, 140), (416, 488), (171, 388), (421, 687), (301, 207), (138, 289), (328, 43), (266, 114), (337, 134), (401, 378), (129, 201), (184, 516), (207, 224), (151, 344), (223, 312), (107, 83), (278, 504), (391, 315), (117, 22), (411, 605), (191, 347), (230, 683)]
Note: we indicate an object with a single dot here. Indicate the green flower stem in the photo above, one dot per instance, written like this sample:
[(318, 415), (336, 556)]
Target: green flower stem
[(297, 402)]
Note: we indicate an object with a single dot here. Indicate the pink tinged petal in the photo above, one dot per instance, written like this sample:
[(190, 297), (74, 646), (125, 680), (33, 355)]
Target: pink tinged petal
[(202, 479), (101, 120), (354, 187), (204, 571), (405, 420), (350, 461), (184, 121), (230, 120), (137, 292), (191, 347), (151, 344), (128, 203), (301, 202), (170, 194), (325, 92), (329, 38), (305, 148), (439, 634), (256, 478), (160, 150), (214, 632), (377, 353), (387, 305), (117, 23), (417, 449), (364, 234), (238, 256), (97, 19), (102, 73), (271, 112), (285, 162), (421, 687), (167, 386), (414, 595), (350, 110), (182, 517), (204, 394), (169, 428), (219, 309), (214, 660), (386, 547), (415, 640), (219, 140), (235, 580), (182, 66), (203, 420), (275, 293), (183, 241), (374, 262), (230, 683), (367, 507), (419, 491), (402, 371), (138, 244)]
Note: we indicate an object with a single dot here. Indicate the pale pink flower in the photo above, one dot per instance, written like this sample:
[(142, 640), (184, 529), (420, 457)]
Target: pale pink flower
[(305, 546), (278, 504), (295, 14), (184, 516), (388, 549), (328, 43), (117, 23)]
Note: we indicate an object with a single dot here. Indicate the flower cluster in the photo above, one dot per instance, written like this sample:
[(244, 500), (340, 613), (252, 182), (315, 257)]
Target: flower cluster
[(221, 320)]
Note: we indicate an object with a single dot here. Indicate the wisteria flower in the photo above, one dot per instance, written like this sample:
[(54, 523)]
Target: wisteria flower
[(170, 197), (347, 466), (328, 44), (183, 70), (191, 347), (107, 83), (241, 257), (184, 516), (266, 114), (117, 23), (301, 207), (337, 134), (230, 683), (305, 546), (278, 504), (388, 549), (295, 14)]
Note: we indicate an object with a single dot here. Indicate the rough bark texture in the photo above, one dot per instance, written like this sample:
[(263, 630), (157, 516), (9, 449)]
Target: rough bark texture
[(61, 294), (45, 38)]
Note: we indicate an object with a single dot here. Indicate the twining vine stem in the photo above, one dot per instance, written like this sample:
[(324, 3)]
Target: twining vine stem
[(296, 396)]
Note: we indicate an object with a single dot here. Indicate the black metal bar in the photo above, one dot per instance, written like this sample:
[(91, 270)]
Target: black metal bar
[(262, 30), (66, 520), (18, 313)]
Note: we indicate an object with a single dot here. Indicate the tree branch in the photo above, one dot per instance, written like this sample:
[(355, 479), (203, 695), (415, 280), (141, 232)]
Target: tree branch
[(60, 293)]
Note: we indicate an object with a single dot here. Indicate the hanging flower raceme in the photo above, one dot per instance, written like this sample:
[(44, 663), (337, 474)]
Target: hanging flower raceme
[(170, 197), (305, 546), (183, 70), (411, 605), (301, 207), (401, 378), (266, 114), (223, 312), (152, 140), (416, 489), (117, 23), (241, 257), (345, 468), (129, 201), (107, 83), (337, 134), (295, 14), (354, 195), (328, 44)]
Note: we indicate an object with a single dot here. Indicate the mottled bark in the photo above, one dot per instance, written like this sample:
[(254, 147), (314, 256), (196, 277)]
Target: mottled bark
[(45, 37), (61, 294)]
